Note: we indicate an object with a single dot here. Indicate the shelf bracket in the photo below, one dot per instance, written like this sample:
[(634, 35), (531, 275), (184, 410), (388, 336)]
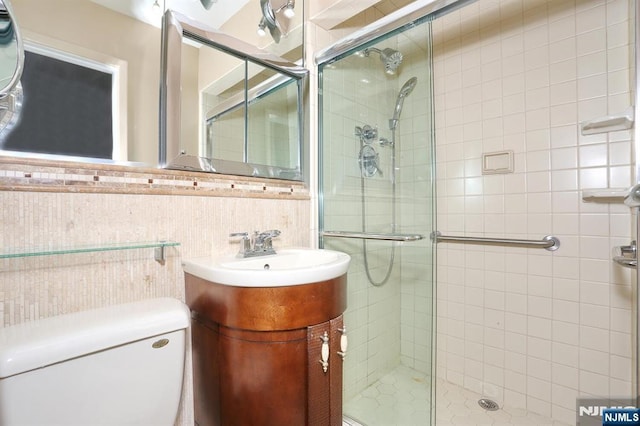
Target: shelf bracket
[(159, 254)]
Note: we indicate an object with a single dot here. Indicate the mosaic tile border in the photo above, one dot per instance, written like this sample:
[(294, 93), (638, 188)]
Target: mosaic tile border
[(19, 174)]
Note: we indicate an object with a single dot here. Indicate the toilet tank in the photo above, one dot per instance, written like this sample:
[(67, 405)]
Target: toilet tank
[(121, 365)]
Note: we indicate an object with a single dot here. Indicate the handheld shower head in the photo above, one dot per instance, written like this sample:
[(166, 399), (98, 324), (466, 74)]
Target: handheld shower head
[(408, 87), (405, 91), (390, 58)]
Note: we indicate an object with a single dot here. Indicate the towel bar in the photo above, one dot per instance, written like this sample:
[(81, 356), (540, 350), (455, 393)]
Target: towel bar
[(373, 236)]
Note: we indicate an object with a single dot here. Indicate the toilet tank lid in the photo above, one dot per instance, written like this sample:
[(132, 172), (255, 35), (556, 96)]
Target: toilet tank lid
[(36, 344)]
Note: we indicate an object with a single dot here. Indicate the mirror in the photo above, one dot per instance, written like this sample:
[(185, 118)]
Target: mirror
[(11, 64), (227, 106), (271, 119), (124, 37)]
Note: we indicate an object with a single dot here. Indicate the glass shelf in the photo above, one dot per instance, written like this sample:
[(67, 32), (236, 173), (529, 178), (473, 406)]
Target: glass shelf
[(159, 247)]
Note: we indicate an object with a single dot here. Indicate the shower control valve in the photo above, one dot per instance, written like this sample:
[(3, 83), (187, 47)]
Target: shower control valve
[(366, 133)]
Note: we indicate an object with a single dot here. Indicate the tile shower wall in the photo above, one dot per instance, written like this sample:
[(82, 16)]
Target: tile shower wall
[(39, 287), (532, 328)]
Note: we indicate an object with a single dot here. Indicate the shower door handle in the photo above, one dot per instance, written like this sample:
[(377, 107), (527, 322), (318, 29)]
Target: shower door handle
[(373, 236)]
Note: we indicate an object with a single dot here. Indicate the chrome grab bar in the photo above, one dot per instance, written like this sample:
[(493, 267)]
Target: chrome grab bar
[(633, 197), (372, 236), (549, 242), (626, 262), (626, 256)]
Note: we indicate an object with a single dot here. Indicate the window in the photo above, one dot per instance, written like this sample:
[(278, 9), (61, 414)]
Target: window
[(67, 107)]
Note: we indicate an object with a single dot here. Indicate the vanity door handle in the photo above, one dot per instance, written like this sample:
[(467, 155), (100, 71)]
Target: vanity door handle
[(324, 352), (344, 343)]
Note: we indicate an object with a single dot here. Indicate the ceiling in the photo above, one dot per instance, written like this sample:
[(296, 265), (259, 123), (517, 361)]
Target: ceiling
[(143, 10)]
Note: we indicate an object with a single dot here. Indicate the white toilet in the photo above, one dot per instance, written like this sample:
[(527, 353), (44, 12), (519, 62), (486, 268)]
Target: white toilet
[(121, 365)]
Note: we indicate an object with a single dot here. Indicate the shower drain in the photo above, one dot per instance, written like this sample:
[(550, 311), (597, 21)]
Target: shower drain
[(488, 404)]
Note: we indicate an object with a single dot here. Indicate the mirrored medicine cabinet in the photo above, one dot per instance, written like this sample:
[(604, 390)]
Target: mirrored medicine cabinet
[(230, 94), (228, 107)]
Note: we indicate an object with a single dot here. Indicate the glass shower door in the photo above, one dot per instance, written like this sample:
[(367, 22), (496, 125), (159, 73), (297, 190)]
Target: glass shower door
[(377, 204)]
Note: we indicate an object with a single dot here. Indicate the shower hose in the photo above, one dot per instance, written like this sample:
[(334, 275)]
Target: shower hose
[(393, 217)]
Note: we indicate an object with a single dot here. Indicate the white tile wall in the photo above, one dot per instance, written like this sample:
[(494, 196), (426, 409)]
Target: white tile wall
[(532, 328)]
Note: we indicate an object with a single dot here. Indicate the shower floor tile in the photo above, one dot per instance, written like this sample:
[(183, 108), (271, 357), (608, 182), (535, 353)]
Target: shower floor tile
[(401, 398), (458, 406)]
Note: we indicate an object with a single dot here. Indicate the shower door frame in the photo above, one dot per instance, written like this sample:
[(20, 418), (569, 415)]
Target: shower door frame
[(425, 359), (421, 8), (636, 212), (404, 17)]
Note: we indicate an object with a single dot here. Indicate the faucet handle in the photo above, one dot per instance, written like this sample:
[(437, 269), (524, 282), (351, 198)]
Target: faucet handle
[(263, 241), (239, 234), (245, 245), (271, 233)]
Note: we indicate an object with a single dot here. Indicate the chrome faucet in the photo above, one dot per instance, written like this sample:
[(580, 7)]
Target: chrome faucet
[(256, 244)]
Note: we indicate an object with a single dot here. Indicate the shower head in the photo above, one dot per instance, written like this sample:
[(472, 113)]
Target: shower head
[(391, 59), (405, 91)]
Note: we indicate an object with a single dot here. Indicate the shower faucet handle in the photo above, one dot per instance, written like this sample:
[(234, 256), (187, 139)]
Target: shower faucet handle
[(366, 133), (370, 133)]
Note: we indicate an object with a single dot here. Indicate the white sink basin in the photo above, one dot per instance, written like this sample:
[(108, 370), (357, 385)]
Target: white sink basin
[(295, 266)]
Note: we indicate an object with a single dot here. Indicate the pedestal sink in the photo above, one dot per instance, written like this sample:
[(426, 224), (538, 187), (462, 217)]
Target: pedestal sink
[(268, 338)]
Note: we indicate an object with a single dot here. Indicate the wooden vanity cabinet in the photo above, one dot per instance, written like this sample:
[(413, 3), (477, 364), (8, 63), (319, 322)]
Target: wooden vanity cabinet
[(257, 353)]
